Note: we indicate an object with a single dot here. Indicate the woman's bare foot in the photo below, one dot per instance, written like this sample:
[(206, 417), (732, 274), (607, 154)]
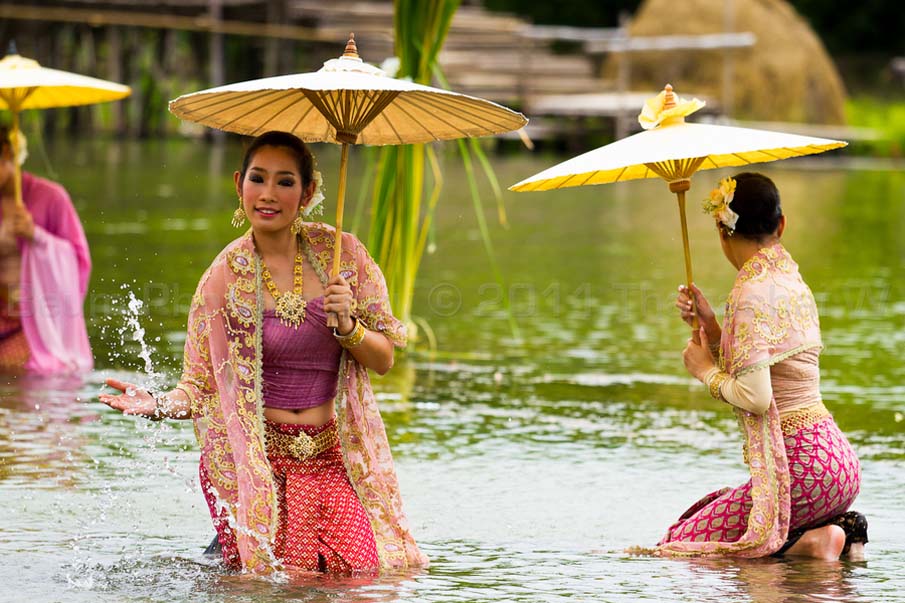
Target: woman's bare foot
[(856, 552), (820, 543)]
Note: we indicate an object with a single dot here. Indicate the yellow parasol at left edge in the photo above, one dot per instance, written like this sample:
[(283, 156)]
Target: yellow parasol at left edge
[(24, 84)]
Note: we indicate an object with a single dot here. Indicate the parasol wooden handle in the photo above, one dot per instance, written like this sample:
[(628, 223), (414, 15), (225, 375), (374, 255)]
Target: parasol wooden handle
[(332, 319), (14, 147), (679, 189)]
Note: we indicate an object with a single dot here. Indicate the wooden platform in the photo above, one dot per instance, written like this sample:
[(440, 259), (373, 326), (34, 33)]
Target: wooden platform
[(497, 56), (511, 61)]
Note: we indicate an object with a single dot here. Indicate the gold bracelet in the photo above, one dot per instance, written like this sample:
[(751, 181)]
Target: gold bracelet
[(715, 383), (352, 339), (157, 415)]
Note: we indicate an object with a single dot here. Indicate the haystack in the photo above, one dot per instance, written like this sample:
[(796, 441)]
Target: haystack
[(786, 76)]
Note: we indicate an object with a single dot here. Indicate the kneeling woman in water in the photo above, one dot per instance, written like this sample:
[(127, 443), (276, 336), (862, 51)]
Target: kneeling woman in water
[(295, 463), (764, 363)]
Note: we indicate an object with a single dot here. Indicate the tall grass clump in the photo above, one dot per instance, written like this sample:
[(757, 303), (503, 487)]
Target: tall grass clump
[(408, 180)]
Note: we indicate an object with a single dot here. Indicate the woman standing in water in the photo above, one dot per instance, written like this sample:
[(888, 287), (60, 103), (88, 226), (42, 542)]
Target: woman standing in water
[(295, 463), (764, 363), (44, 270)]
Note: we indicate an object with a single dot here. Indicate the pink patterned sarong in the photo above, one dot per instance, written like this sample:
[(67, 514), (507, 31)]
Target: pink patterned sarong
[(825, 478)]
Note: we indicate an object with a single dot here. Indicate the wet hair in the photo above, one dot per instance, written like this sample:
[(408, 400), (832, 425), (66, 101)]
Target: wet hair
[(287, 141), (756, 201)]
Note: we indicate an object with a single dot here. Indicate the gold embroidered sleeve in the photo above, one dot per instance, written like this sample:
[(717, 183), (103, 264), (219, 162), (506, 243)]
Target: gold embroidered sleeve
[(372, 299), (197, 375)]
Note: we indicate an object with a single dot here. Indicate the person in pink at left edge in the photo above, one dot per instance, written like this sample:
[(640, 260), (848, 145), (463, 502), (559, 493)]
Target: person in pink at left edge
[(44, 270)]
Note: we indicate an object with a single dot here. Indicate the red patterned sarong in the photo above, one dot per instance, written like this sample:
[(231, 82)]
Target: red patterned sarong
[(323, 526), (825, 479)]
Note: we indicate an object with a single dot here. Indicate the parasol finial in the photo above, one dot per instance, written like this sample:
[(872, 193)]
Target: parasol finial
[(351, 51), (12, 48), (670, 101)]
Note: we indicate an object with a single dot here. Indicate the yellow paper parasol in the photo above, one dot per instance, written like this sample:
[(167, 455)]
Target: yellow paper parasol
[(348, 102), (673, 150), (24, 84)]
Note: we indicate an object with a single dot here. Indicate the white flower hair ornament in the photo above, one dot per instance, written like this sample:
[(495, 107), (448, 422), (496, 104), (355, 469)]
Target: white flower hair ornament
[(717, 205), (18, 138), (315, 206)]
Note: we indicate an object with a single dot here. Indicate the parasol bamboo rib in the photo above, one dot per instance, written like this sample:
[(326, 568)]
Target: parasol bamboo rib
[(472, 117), (202, 104), (262, 127), (389, 124), (303, 117), (411, 117)]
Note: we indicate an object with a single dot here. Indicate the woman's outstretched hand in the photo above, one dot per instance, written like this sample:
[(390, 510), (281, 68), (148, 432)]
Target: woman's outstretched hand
[(697, 357), (706, 317), (133, 401)]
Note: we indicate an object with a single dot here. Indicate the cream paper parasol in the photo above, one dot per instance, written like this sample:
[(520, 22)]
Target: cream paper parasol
[(348, 102)]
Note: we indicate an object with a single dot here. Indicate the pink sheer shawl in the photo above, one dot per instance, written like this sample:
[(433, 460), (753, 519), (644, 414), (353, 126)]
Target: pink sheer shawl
[(222, 377), (770, 316), (54, 279)]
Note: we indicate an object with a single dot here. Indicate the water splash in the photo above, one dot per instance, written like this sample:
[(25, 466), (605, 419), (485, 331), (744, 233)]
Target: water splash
[(132, 316), (120, 321), (141, 459)]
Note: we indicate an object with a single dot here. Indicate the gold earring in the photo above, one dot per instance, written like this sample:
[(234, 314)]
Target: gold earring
[(239, 216), (297, 224)]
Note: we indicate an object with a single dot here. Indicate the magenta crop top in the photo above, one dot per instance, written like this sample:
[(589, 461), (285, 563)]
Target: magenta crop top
[(301, 366)]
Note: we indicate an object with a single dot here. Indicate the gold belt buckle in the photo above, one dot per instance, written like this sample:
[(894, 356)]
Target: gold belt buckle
[(302, 446)]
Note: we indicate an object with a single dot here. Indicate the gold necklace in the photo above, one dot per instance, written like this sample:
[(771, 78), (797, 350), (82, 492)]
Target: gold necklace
[(290, 307)]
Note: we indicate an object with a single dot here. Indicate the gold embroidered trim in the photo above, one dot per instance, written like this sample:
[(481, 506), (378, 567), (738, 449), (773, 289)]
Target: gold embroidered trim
[(778, 358), (775, 255), (300, 446), (794, 421), (714, 384), (259, 387)]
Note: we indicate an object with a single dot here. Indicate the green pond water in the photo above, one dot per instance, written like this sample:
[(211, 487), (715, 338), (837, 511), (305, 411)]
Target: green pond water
[(526, 464)]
